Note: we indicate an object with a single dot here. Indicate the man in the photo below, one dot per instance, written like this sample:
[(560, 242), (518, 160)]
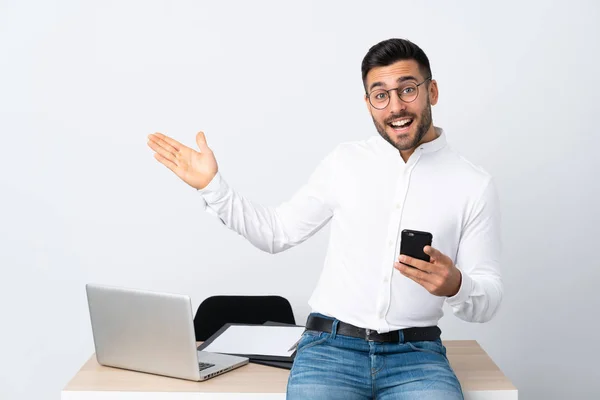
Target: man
[(373, 331)]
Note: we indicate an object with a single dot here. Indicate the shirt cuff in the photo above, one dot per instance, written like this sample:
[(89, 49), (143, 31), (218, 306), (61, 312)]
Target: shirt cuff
[(464, 292), (212, 193), (215, 189)]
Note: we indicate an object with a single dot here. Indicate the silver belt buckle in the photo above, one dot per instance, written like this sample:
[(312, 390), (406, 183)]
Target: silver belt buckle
[(368, 331)]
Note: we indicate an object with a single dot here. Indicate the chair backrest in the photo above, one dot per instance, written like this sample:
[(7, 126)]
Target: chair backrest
[(216, 311)]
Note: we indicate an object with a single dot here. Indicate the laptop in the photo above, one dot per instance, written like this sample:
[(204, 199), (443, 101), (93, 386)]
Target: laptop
[(151, 332)]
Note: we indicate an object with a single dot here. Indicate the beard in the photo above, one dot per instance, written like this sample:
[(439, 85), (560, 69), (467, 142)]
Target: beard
[(422, 128)]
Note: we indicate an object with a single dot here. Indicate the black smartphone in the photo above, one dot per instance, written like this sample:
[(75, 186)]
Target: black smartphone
[(412, 243)]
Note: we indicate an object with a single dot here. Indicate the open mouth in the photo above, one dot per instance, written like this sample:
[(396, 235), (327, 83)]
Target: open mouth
[(401, 125)]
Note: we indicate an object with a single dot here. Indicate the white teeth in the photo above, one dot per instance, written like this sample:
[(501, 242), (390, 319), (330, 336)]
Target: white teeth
[(401, 123)]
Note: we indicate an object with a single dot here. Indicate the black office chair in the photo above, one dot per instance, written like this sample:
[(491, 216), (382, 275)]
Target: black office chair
[(216, 311)]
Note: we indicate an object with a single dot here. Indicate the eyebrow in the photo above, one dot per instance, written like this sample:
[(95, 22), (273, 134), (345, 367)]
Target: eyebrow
[(399, 80)]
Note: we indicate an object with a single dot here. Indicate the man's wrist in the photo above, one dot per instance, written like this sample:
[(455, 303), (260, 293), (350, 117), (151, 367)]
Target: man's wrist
[(458, 284)]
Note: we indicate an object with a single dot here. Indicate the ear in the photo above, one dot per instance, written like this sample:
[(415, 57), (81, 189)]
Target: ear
[(433, 92), (367, 103)]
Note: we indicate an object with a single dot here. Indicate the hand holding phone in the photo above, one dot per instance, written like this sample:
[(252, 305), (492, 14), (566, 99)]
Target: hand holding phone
[(412, 243), (437, 274)]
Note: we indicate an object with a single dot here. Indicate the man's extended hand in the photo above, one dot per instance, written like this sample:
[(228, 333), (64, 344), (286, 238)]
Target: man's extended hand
[(196, 168), (439, 276)]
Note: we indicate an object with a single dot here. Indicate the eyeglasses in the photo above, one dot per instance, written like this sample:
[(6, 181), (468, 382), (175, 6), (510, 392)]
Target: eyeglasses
[(408, 92)]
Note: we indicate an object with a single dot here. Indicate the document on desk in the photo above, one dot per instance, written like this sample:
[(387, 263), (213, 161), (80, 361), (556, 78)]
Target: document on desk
[(255, 340)]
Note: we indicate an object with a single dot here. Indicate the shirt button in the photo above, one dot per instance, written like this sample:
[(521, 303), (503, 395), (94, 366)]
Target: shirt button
[(390, 243), (386, 279), (398, 205)]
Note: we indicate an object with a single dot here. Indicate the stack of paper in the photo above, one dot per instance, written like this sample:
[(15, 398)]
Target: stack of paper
[(264, 344)]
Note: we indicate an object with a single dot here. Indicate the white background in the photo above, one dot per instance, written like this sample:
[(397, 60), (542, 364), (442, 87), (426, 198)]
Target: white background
[(275, 86)]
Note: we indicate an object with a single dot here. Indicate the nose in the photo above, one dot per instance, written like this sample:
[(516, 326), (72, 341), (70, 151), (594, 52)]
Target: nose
[(396, 104)]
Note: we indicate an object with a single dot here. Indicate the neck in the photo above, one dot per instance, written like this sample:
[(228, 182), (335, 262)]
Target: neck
[(429, 136)]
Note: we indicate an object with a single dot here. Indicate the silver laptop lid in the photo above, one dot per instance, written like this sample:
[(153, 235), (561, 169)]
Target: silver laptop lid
[(143, 331)]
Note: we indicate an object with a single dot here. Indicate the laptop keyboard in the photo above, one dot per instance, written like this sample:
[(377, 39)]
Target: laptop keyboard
[(204, 366)]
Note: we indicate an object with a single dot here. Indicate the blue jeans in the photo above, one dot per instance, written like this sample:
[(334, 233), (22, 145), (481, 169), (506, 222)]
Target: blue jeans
[(331, 366)]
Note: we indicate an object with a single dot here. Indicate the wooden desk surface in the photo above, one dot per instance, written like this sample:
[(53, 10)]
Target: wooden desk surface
[(479, 376)]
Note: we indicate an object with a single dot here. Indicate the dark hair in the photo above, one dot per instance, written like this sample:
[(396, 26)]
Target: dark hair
[(392, 50)]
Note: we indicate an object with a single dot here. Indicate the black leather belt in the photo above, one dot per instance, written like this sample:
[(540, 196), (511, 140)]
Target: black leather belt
[(316, 323)]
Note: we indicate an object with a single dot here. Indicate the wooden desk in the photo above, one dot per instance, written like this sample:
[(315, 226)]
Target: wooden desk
[(479, 376)]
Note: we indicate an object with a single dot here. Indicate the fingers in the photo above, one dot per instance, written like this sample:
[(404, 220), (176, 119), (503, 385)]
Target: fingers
[(433, 253), (167, 163), (438, 277), (165, 139), (201, 141), (415, 262), (163, 149), (165, 146), (416, 275)]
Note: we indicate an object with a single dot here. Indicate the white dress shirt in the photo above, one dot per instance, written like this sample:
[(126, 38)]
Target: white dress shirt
[(370, 195)]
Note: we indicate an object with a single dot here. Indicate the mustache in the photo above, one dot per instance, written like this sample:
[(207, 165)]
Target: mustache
[(400, 115)]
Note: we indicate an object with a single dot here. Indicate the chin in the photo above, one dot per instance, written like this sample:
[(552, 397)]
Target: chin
[(403, 141)]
